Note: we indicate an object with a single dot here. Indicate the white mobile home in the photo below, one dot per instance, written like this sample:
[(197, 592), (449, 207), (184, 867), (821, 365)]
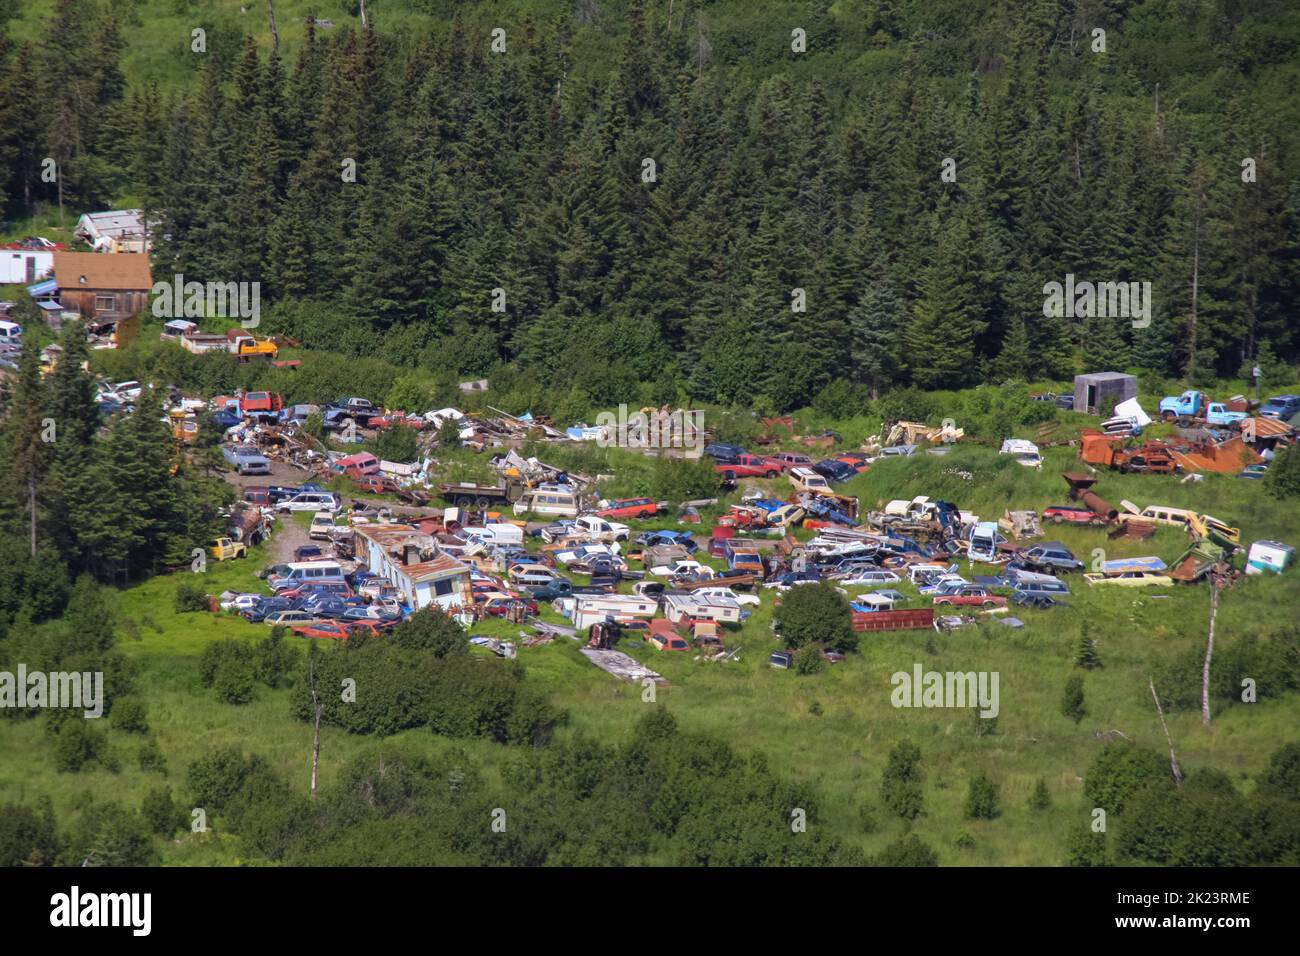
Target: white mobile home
[(412, 562), (701, 607), (589, 609)]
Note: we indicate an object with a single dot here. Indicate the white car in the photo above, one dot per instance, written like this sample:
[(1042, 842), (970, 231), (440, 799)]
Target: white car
[(311, 501), (241, 603), (742, 599), (682, 567), (868, 578), (126, 391)]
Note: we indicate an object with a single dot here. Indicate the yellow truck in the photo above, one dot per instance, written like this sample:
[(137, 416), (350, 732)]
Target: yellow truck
[(248, 348), (227, 548)]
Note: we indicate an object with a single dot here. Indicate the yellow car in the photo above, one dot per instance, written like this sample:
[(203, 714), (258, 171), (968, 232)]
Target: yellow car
[(1131, 579), (227, 548)]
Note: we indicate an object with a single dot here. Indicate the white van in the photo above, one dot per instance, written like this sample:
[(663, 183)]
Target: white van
[(558, 500), (315, 501), (1162, 514), (11, 332), (307, 572), (498, 533), (805, 479), (1024, 452)]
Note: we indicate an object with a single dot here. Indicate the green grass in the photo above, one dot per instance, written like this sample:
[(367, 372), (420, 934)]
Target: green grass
[(755, 707)]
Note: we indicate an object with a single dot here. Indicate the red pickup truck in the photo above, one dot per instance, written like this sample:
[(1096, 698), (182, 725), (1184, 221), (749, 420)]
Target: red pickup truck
[(750, 466)]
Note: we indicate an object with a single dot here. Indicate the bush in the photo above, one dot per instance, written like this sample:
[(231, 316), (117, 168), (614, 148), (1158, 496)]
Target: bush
[(161, 813), (274, 660), (1072, 699), (190, 598), (110, 835), (808, 659), (27, 836), (130, 715), (1041, 799), (816, 614), (900, 784), (152, 758), (76, 744), (683, 479), (1282, 480), (233, 682), (982, 799), (909, 851), (1119, 771)]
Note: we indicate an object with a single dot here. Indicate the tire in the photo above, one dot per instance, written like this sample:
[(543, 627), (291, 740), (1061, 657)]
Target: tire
[(481, 504), (463, 502), (729, 476), (1056, 519), (1168, 417), (770, 475)]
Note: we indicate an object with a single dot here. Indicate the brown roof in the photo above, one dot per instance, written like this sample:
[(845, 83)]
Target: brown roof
[(122, 271)]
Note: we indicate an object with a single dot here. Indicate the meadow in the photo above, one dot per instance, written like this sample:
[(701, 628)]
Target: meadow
[(834, 728)]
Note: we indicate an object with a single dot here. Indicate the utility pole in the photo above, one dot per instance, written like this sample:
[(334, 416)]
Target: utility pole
[(270, 14)]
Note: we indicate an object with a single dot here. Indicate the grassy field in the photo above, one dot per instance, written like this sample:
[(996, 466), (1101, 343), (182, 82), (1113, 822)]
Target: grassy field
[(834, 728)]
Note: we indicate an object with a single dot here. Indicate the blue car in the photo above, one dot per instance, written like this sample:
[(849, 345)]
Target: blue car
[(1281, 407)]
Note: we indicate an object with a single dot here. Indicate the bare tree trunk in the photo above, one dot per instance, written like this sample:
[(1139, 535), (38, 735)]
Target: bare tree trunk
[(1173, 757), (363, 14), (1209, 651), (270, 15), (1196, 279), (31, 504), (315, 746)]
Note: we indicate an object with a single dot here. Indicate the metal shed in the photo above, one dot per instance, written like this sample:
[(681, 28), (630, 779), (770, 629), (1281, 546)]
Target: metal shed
[(1099, 392)]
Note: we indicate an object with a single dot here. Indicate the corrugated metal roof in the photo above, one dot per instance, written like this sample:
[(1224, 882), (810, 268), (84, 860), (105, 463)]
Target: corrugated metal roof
[(124, 272)]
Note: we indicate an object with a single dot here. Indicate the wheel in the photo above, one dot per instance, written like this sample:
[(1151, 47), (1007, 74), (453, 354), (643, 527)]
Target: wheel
[(770, 474), (1056, 519), (481, 504), (1167, 416), (463, 502), (729, 475)]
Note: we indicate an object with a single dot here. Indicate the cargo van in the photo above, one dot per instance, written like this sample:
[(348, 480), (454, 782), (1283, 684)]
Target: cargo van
[(308, 572), (500, 533), (558, 500)]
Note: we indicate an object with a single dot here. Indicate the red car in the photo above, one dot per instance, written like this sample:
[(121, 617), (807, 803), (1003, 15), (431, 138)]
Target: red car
[(398, 418), (973, 595), (751, 466), (630, 508), (339, 630), (377, 485), (500, 605), (324, 630), (1071, 513)]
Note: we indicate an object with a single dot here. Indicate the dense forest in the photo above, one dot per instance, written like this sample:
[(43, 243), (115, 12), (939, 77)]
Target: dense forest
[(649, 218)]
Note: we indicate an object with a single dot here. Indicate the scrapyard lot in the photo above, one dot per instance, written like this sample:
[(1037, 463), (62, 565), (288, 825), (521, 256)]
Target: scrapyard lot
[(835, 727)]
